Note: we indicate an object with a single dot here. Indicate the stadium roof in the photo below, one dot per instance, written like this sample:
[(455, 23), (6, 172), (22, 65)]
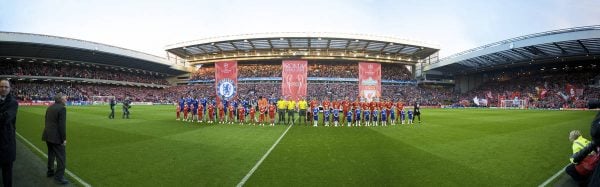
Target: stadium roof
[(35, 46), (305, 45), (576, 43)]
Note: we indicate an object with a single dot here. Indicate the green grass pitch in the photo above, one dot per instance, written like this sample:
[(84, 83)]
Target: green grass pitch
[(453, 147)]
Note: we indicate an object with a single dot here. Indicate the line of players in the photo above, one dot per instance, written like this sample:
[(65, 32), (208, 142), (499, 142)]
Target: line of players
[(229, 112), (360, 113), (356, 113)]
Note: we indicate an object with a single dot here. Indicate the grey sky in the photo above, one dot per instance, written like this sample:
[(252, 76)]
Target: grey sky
[(149, 26)]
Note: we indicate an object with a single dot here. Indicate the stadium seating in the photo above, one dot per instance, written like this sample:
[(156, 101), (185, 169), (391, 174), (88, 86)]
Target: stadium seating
[(88, 71), (329, 70)]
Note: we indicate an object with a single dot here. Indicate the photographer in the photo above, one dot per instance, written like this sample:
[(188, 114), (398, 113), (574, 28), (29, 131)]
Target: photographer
[(592, 146), (126, 107)]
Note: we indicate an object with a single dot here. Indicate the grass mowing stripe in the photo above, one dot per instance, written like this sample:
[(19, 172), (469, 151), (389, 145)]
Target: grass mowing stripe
[(263, 158), (553, 177), (46, 156)]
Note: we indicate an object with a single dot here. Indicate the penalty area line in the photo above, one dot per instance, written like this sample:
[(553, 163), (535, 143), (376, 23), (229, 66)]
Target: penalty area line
[(46, 156), (263, 158)]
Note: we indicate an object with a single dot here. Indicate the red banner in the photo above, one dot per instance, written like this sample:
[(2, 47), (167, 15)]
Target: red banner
[(369, 80), (293, 84), (226, 79)]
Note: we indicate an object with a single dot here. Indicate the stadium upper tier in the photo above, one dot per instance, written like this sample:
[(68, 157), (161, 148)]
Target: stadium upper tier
[(319, 69), (62, 50), (572, 44), (33, 69), (303, 45)]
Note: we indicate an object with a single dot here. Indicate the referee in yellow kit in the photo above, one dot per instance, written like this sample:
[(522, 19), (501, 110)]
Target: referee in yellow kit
[(281, 107), (291, 109), (302, 105)]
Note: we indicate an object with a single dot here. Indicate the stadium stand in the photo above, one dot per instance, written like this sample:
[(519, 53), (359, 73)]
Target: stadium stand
[(88, 71)]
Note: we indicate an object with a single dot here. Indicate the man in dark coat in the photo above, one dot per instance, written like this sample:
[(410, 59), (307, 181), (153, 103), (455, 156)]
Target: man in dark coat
[(55, 135), (126, 107), (112, 109), (8, 117), (417, 112)]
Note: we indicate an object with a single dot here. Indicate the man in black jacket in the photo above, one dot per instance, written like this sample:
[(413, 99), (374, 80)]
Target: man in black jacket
[(112, 109), (417, 112), (8, 117), (55, 135), (126, 107)]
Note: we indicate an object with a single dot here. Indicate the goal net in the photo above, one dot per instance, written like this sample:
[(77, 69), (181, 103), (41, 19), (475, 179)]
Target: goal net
[(513, 104), (101, 100)]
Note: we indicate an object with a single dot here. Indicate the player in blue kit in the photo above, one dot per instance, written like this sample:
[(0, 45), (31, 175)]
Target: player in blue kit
[(336, 116), (393, 116), (315, 116), (326, 117), (181, 106), (367, 116), (357, 117), (402, 116), (203, 102), (375, 115), (349, 118), (383, 117), (410, 116)]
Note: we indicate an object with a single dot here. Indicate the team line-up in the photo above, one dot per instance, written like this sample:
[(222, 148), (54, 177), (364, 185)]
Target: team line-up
[(357, 113)]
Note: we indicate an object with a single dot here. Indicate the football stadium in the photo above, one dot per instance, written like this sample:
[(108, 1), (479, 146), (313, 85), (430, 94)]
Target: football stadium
[(306, 109)]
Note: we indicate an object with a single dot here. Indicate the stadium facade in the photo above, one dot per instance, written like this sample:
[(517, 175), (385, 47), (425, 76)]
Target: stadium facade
[(556, 51)]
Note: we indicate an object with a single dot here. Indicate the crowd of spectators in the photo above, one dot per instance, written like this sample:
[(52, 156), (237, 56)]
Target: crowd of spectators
[(88, 71), (44, 91), (315, 69), (541, 89), (545, 89)]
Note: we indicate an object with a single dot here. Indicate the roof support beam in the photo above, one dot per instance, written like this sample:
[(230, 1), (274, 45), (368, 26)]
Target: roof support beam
[(235, 47), (563, 51), (583, 46), (252, 45), (520, 53), (503, 57), (384, 46), (403, 46), (365, 47)]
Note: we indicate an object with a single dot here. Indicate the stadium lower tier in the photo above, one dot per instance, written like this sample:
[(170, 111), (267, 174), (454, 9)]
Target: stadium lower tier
[(425, 95)]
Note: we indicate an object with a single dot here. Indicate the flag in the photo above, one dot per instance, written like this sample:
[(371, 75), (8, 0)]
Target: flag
[(294, 81), (226, 80), (369, 80)]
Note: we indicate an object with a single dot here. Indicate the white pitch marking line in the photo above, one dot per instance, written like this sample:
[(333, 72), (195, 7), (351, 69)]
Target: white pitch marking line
[(263, 158), (46, 156), (553, 176)]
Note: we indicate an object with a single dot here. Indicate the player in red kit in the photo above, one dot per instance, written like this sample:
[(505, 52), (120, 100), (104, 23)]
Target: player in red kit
[(272, 111), (211, 113), (178, 111), (241, 114), (261, 119), (345, 109), (185, 112), (221, 113), (231, 114), (200, 113), (252, 116), (399, 106)]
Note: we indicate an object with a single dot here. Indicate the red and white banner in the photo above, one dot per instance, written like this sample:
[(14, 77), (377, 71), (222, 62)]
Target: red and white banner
[(369, 80), (294, 75), (226, 74)]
